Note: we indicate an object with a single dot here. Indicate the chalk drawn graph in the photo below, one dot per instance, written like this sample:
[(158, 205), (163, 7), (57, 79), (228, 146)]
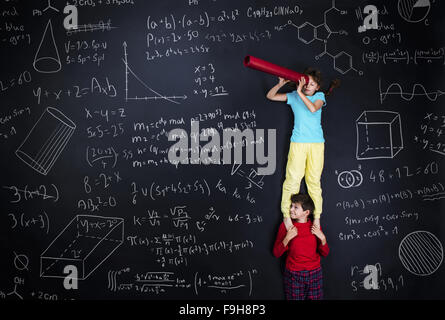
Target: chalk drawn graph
[(417, 90), (154, 94)]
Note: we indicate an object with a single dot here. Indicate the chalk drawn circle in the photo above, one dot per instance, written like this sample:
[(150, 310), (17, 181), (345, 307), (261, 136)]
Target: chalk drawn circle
[(348, 179), (358, 177), (421, 253), (21, 261), (414, 10)]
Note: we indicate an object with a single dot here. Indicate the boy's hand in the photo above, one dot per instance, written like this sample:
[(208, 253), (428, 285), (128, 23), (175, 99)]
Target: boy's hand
[(301, 84), (319, 234)]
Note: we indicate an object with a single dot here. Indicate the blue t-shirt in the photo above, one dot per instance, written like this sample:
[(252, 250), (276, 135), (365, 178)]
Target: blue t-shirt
[(307, 125)]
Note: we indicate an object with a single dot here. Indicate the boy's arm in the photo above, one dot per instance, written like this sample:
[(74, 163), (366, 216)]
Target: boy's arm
[(279, 248), (323, 248), (322, 244)]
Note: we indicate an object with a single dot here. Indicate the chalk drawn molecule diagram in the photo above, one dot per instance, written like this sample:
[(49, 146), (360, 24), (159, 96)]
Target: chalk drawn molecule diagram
[(421, 253), (307, 33)]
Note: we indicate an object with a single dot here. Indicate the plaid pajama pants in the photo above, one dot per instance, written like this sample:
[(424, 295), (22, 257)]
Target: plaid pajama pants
[(303, 285)]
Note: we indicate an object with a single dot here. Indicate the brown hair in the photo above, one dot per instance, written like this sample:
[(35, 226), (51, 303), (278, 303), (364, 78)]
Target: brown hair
[(304, 200), (316, 75)]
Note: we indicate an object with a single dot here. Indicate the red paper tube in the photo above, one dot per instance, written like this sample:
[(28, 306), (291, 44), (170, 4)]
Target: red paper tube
[(261, 65)]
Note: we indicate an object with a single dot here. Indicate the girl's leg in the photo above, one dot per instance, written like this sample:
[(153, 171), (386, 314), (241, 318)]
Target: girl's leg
[(314, 168), (294, 173)]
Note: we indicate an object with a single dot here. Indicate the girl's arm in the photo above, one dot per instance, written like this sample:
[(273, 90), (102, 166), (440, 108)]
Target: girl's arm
[(273, 95), (312, 106)]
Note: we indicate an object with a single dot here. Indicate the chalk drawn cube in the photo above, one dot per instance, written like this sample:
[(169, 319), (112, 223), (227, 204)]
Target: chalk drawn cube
[(86, 242), (379, 135)]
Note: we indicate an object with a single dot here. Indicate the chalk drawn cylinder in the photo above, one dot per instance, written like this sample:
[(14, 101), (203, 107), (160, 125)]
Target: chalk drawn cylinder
[(46, 140)]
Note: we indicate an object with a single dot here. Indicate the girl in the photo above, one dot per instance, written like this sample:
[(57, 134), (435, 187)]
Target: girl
[(306, 151)]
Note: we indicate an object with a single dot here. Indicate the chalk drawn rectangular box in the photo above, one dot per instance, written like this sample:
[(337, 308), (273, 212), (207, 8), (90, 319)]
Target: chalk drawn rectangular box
[(86, 242)]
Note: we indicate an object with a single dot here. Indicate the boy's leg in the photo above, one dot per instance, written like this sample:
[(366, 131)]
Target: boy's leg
[(294, 173), (293, 285), (314, 168), (315, 288)]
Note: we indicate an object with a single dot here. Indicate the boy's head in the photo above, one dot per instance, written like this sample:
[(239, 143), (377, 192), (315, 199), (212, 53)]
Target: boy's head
[(301, 206)]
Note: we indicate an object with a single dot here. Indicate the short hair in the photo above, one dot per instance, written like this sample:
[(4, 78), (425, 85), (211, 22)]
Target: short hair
[(304, 200)]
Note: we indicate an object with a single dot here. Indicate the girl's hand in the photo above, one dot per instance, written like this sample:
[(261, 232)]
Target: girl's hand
[(318, 233), (291, 233), (301, 84), (282, 81)]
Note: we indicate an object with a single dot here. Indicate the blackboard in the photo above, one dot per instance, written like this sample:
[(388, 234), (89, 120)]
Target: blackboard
[(86, 179)]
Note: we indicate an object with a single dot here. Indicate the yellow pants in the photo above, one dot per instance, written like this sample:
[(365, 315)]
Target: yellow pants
[(304, 160)]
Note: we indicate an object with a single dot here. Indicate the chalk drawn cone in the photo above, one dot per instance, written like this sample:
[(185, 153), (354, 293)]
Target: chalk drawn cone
[(46, 140), (47, 58)]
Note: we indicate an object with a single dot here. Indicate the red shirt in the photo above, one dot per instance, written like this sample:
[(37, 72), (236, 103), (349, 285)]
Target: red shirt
[(304, 250)]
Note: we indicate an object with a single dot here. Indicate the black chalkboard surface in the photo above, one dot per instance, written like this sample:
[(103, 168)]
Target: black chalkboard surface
[(93, 205)]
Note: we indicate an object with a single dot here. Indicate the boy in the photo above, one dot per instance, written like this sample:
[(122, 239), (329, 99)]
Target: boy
[(305, 243)]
